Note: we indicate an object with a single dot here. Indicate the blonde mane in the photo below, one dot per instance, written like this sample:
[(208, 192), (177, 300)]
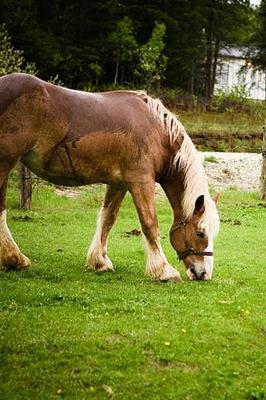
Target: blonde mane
[(187, 157)]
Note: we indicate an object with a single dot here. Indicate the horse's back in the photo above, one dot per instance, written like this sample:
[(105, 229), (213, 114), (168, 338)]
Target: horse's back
[(87, 112), (81, 111)]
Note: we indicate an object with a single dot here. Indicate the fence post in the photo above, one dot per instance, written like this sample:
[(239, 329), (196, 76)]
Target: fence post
[(263, 168), (25, 187)]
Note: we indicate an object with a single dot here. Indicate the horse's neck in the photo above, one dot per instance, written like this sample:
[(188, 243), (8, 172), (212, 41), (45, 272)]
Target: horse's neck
[(173, 189)]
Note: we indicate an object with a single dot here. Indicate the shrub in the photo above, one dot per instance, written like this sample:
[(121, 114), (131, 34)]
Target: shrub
[(12, 60), (237, 100)]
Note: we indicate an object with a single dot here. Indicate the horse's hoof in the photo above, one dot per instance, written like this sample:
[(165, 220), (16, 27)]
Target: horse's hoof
[(100, 268), (105, 268), (25, 263), (16, 262), (173, 277), (100, 264)]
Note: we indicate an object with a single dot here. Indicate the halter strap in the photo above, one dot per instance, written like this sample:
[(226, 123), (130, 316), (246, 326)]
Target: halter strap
[(190, 251)]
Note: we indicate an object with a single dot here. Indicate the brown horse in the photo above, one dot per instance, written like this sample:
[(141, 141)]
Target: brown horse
[(125, 139)]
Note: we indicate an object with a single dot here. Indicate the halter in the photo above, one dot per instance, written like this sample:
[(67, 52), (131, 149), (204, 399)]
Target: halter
[(189, 250)]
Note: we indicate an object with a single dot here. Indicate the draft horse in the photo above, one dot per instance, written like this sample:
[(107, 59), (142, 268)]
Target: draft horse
[(124, 139)]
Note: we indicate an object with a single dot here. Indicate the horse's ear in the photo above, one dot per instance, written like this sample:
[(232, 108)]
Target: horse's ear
[(216, 197), (199, 205)]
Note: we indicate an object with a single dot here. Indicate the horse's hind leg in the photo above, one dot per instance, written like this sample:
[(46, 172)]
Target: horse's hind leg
[(10, 255), (157, 265), (97, 253)]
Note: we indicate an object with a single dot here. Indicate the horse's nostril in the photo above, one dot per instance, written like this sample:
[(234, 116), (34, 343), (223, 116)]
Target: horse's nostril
[(193, 271), (199, 275), (202, 275)]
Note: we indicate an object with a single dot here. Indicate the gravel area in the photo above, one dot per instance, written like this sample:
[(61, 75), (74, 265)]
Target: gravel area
[(233, 170)]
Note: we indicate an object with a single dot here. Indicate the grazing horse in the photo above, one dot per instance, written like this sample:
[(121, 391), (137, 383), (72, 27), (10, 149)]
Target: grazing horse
[(125, 139)]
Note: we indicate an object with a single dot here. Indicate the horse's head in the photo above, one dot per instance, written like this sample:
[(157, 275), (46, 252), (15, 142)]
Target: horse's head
[(193, 238)]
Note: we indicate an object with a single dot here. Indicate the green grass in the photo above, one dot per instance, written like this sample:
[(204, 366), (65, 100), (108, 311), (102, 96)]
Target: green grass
[(69, 334), (226, 123), (211, 159), (227, 131)]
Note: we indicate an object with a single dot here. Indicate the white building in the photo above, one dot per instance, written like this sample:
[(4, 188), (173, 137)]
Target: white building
[(234, 69)]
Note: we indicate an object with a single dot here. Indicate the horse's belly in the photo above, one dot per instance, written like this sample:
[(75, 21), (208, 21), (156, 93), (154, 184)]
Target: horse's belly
[(65, 167), (51, 169)]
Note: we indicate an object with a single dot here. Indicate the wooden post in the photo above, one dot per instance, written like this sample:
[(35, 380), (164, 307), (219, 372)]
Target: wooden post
[(25, 186), (263, 168)]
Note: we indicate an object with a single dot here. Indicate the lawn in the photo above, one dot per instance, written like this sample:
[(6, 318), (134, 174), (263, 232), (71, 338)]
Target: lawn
[(226, 123), (227, 131), (69, 334)]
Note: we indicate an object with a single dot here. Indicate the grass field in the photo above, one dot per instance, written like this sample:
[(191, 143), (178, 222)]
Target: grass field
[(69, 334), (227, 131), (226, 123)]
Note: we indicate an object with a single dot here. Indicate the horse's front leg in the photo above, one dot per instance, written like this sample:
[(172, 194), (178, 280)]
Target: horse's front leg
[(157, 265), (97, 253), (10, 255)]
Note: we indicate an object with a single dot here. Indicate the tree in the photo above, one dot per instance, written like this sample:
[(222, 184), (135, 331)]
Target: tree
[(69, 38), (185, 46), (227, 23), (144, 63), (124, 47), (152, 62), (259, 57)]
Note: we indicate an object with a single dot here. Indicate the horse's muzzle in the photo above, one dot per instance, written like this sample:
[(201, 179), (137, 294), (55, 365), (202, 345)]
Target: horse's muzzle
[(200, 275)]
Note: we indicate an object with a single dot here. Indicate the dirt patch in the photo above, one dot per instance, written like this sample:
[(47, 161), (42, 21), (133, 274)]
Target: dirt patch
[(134, 232), (223, 141)]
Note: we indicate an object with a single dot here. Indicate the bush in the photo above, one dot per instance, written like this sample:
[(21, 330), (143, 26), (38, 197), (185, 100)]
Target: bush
[(12, 60), (237, 101)]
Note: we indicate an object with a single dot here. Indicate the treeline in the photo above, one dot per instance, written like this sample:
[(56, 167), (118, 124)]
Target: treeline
[(112, 43)]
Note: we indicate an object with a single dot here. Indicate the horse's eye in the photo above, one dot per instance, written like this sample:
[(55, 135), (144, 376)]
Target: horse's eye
[(200, 234)]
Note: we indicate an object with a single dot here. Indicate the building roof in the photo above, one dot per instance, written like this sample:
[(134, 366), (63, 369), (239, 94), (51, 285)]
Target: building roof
[(234, 52)]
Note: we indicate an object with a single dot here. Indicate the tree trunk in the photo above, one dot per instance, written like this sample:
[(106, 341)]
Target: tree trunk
[(25, 186), (208, 64), (214, 65), (192, 78), (122, 74), (263, 168), (116, 72)]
